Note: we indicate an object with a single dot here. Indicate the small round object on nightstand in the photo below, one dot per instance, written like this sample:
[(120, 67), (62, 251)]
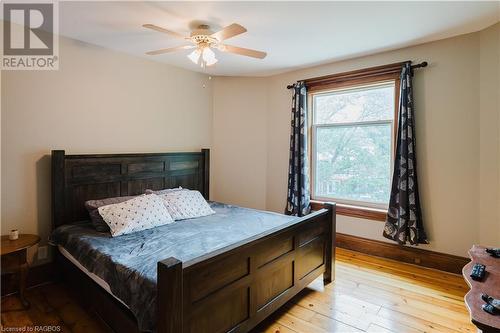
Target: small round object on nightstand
[(14, 234)]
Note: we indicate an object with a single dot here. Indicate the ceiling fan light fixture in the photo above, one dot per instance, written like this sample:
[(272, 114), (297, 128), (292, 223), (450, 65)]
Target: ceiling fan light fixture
[(203, 56), (211, 62), (208, 56), (195, 56)]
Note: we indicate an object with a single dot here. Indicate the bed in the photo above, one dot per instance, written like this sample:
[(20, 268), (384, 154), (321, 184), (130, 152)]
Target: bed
[(221, 273)]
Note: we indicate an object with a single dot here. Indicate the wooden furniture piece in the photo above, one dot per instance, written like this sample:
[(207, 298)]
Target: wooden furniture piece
[(489, 285), (231, 289), (14, 259)]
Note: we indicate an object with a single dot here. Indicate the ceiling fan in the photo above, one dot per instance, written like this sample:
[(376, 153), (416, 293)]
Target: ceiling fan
[(203, 40)]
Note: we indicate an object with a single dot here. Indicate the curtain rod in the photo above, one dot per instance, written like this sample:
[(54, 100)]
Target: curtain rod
[(421, 65)]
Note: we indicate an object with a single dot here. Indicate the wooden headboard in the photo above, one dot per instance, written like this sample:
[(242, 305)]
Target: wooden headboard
[(78, 178)]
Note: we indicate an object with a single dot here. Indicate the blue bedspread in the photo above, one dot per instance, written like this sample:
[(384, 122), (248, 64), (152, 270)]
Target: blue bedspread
[(128, 263)]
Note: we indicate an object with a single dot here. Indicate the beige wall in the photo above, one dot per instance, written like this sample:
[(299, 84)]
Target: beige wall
[(489, 148), (449, 144), (99, 101), (239, 156)]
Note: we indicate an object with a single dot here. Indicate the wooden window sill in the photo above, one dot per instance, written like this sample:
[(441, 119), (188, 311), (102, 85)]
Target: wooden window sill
[(355, 211)]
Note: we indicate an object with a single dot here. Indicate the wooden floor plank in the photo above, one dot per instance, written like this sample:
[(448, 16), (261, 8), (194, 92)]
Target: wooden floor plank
[(321, 321), (422, 324), (394, 300), (448, 287), (346, 313), (277, 328), (369, 294), (395, 325), (441, 290), (386, 290), (374, 328)]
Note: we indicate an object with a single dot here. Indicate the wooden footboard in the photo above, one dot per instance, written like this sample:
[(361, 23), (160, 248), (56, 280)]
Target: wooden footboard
[(235, 288)]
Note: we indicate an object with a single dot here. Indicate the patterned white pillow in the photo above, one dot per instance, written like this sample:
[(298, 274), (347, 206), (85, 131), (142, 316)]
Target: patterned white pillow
[(141, 213), (186, 204)]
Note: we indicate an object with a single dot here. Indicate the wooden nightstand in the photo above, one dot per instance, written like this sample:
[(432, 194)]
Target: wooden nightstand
[(14, 259)]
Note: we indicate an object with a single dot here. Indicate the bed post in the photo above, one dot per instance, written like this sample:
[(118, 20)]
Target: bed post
[(206, 173), (329, 274), (169, 296), (57, 188)]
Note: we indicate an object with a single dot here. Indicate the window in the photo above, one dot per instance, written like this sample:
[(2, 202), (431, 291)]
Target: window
[(352, 143)]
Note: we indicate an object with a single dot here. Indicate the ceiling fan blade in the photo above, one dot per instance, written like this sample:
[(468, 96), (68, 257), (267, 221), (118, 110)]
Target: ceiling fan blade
[(229, 31), (165, 31), (243, 51), (171, 49)]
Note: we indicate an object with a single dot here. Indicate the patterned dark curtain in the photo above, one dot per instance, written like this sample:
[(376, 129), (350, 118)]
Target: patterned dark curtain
[(404, 218), (298, 198)]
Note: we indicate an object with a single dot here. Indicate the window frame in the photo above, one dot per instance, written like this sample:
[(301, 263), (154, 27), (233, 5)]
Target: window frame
[(349, 80)]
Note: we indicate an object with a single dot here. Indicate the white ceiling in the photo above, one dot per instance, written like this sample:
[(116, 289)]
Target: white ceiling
[(294, 34)]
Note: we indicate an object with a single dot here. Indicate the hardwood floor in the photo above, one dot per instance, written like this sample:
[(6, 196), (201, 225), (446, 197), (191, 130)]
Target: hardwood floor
[(51, 306), (369, 294)]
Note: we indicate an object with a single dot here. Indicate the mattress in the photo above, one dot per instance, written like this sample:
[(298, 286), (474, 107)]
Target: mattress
[(103, 284), (126, 265)]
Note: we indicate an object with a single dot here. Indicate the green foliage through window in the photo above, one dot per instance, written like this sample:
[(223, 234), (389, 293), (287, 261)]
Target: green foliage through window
[(353, 143)]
